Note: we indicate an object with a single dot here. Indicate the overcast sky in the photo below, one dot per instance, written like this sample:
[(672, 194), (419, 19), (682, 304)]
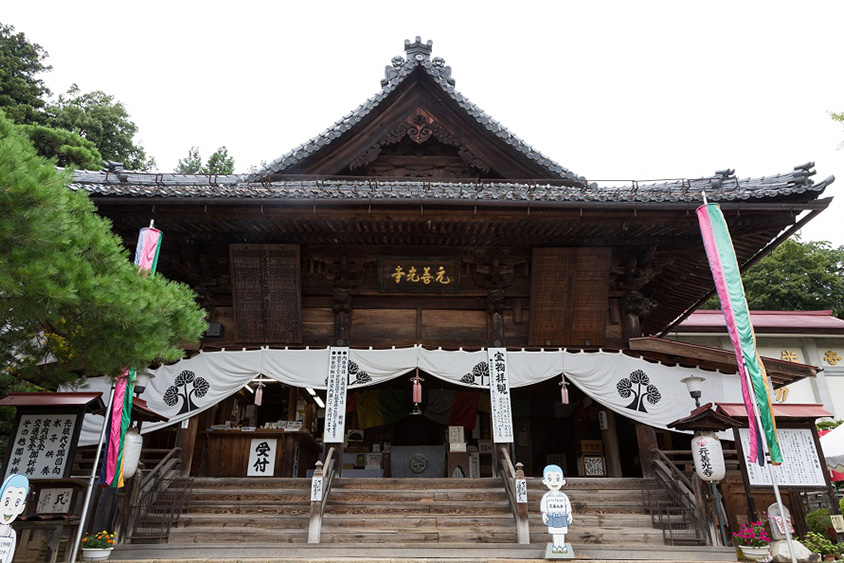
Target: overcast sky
[(611, 90)]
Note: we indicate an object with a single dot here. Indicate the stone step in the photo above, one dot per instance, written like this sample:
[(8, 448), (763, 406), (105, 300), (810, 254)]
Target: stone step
[(221, 552), (272, 521), (251, 482), (243, 507), (432, 495), (459, 508)]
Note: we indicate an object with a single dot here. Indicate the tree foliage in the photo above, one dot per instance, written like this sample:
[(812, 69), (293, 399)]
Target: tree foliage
[(218, 163), (70, 298), (99, 118), (22, 93), (69, 149), (796, 276)]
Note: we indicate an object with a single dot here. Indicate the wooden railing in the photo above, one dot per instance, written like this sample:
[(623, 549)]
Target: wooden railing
[(673, 504), (320, 488), (156, 500), (516, 486)]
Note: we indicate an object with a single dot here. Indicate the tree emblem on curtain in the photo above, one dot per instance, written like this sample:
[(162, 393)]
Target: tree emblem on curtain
[(644, 390), (358, 374), (179, 390), (480, 371)]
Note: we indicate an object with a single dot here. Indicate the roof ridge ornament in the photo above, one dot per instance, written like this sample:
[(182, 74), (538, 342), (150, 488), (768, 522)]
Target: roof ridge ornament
[(418, 54)]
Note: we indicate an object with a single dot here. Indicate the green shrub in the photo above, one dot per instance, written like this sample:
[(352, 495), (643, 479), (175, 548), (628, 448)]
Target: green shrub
[(817, 543), (818, 521)]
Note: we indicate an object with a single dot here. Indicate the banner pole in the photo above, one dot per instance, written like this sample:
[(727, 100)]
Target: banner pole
[(767, 454), (91, 479)]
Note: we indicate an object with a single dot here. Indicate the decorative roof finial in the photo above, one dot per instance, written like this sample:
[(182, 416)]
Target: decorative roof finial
[(418, 50)]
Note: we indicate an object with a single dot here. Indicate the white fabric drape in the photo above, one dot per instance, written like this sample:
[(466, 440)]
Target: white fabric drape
[(645, 391)]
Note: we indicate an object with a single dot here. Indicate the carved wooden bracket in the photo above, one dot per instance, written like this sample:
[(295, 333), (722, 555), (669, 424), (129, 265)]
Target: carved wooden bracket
[(419, 127), (342, 271)]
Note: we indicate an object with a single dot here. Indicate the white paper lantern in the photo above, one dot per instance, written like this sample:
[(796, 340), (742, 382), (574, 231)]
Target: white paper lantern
[(708, 456), (132, 444)]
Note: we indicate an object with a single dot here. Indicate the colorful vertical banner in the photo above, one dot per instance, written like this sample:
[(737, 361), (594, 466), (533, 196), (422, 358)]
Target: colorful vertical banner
[(120, 417), (725, 272), (499, 395), (335, 399), (146, 253)]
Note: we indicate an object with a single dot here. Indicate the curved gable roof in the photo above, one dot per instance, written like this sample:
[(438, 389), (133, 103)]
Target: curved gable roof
[(418, 59)]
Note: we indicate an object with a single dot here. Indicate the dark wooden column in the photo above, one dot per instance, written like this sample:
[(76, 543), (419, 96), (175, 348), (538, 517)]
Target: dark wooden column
[(341, 306), (610, 439), (646, 436), (495, 310)]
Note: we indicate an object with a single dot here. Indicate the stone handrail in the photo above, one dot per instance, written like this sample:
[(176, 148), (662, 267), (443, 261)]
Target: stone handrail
[(515, 484), (320, 487)]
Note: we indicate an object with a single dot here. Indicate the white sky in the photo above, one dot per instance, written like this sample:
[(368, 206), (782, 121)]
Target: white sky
[(611, 90)]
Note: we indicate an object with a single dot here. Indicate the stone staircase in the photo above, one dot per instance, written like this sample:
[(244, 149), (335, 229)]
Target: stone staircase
[(229, 520), (437, 511), (255, 510)]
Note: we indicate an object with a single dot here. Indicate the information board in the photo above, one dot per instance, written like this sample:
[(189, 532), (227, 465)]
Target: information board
[(800, 467), (41, 446), (499, 394), (335, 400)]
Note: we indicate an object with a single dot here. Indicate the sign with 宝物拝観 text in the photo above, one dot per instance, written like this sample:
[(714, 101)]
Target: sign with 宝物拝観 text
[(499, 394)]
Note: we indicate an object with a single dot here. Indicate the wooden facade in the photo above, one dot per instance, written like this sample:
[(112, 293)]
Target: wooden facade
[(422, 180)]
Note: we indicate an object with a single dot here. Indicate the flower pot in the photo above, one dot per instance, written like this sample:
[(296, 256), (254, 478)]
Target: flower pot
[(96, 553), (753, 553)]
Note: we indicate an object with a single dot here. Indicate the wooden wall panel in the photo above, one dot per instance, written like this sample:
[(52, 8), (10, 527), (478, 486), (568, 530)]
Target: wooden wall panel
[(443, 327), (383, 327), (569, 296), (317, 325), (267, 293)]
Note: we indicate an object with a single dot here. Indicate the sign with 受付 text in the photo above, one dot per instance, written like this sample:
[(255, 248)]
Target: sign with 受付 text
[(261, 457)]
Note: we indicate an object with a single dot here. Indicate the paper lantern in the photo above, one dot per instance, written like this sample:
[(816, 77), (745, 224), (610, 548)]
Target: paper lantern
[(132, 445), (708, 456)]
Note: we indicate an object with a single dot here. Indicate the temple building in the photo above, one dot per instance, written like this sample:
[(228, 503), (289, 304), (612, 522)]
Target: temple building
[(417, 282)]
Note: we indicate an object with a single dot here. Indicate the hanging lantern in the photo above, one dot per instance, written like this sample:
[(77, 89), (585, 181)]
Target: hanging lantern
[(259, 394), (708, 456), (132, 444), (417, 393), (564, 390)]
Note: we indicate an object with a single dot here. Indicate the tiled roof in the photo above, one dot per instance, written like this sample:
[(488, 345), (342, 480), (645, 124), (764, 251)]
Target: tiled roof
[(418, 56), (719, 188), (767, 321)]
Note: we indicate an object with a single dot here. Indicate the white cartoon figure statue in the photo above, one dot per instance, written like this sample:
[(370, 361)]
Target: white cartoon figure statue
[(556, 509), (12, 502)]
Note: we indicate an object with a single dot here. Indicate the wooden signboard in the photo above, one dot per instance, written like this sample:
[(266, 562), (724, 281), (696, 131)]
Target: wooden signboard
[(43, 444), (569, 296), (419, 274), (267, 293)]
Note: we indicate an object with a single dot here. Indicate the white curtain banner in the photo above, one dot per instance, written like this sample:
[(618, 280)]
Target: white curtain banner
[(648, 392)]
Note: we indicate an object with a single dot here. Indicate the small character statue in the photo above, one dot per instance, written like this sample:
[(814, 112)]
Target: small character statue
[(556, 509), (13, 496)]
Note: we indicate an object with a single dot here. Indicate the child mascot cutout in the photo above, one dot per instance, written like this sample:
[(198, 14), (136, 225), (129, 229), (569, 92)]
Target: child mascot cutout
[(12, 502), (556, 510)]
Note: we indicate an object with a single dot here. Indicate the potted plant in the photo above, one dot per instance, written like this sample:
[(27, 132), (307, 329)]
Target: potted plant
[(818, 543), (97, 547), (753, 540)]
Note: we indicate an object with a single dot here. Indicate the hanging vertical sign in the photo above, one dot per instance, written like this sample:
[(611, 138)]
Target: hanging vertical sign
[(335, 401), (262, 454), (499, 394)]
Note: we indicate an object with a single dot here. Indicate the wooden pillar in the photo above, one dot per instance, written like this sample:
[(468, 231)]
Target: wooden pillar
[(292, 401), (187, 441), (611, 452), (647, 441)]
